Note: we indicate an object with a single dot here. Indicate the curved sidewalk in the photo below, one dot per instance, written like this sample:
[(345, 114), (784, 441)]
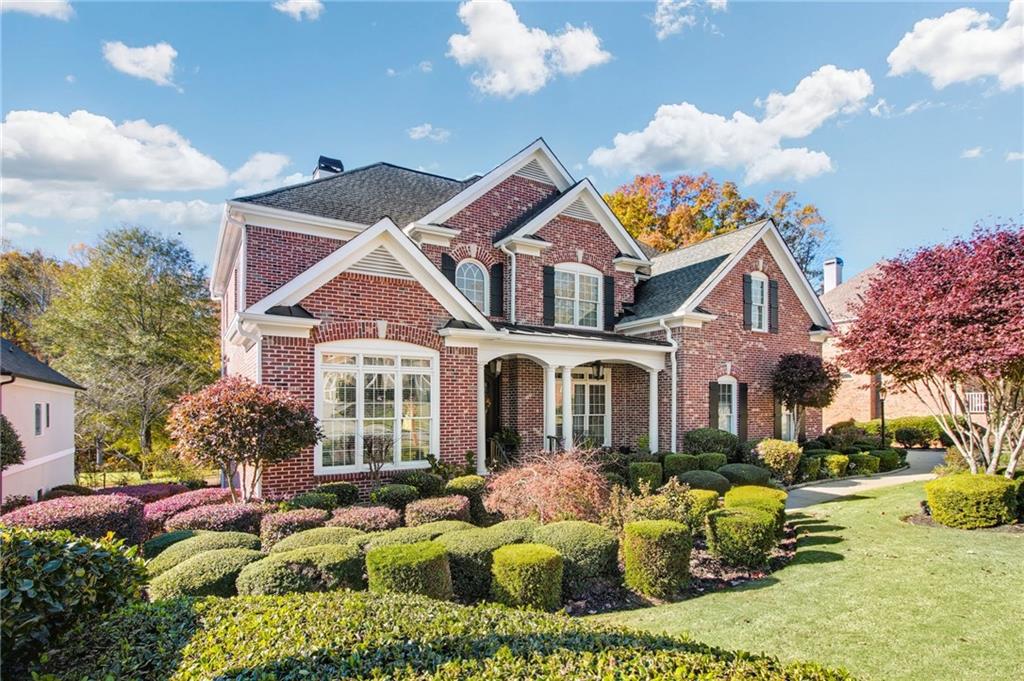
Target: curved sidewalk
[(921, 462)]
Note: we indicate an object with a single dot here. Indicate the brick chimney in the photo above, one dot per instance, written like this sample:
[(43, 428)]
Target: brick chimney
[(833, 275), (327, 166)]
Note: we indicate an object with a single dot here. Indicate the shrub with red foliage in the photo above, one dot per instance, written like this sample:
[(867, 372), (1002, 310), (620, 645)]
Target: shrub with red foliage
[(366, 518), (147, 493), (550, 487), (221, 518), (277, 526), (92, 516), (455, 507), (158, 512)]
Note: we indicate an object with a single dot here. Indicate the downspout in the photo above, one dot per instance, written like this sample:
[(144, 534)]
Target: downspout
[(674, 415), (512, 287)]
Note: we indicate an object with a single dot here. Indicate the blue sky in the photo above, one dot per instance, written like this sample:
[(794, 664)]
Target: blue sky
[(897, 141)]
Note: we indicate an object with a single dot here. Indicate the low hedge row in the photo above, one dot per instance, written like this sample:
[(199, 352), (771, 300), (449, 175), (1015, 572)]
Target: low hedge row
[(745, 474), (276, 526), (709, 480), (87, 516), (972, 501), (211, 573), (183, 550), (675, 464), (656, 555), (158, 544), (394, 495), (427, 484), (146, 493), (711, 461), (221, 518), (864, 464), (318, 536), (366, 518), (470, 559), (159, 512), (313, 568), (589, 552), (452, 507), (345, 493)]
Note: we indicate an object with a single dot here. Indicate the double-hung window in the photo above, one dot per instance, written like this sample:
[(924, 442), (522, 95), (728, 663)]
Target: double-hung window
[(727, 404), (376, 400), (577, 295), (758, 302)]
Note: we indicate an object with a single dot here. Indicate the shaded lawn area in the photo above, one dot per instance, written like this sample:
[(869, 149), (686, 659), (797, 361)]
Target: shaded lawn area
[(882, 598), (120, 478)]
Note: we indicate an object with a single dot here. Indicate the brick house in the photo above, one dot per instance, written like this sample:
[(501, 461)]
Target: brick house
[(434, 312)]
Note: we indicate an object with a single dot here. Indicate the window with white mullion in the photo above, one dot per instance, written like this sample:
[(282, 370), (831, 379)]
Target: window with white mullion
[(577, 296), (758, 302)]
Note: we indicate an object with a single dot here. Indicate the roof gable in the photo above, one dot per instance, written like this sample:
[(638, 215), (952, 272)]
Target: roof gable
[(16, 362)]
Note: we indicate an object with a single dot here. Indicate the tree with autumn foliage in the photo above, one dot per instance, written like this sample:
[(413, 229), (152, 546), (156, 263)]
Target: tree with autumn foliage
[(241, 427), (947, 320), (801, 381)]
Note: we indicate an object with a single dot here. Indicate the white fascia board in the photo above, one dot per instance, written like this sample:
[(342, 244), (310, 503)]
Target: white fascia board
[(228, 240), (265, 216), (611, 222), (435, 235), (526, 246), (538, 150), (22, 382), (624, 263), (690, 319), (819, 336)]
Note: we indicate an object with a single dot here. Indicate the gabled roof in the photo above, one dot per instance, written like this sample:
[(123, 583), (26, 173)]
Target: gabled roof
[(365, 195), (843, 299), (723, 244), (16, 362), (662, 294)]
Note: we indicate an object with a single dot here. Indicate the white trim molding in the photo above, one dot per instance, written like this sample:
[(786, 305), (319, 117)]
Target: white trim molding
[(33, 463), (525, 246), (431, 235)]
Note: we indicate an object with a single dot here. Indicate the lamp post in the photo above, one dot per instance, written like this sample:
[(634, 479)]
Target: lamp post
[(881, 411)]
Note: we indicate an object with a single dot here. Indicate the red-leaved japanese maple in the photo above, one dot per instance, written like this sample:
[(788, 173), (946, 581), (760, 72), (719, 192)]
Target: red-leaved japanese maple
[(947, 320), (240, 427), (800, 381)]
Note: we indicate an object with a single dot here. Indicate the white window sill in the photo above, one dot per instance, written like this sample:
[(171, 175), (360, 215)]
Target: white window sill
[(348, 470)]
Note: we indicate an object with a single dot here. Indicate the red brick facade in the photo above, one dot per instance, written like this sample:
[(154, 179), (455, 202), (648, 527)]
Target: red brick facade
[(273, 257)]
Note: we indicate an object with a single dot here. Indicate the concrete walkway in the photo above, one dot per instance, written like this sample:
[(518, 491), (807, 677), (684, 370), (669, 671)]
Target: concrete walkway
[(921, 463)]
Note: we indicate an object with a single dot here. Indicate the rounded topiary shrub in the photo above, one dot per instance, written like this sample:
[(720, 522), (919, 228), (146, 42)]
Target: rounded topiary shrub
[(324, 501), (420, 568), (80, 490), (863, 464), (394, 496), (743, 537), (472, 487), (345, 493), (147, 492), (615, 479), (366, 518), (514, 531), (589, 552), (277, 526), (711, 461), (426, 483), (656, 554), (702, 440), (769, 500), (641, 472), (527, 576), (452, 507), (91, 516), (813, 444), (313, 568), (221, 518), (156, 545), (181, 551), (971, 501), (680, 463), (211, 573), (836, 465), (401, 535), (706, 480), (57, 494), (745, 474), (317, 536), (158, 512), (888, 459), (850, 451), (702, 502), (439, 527), (469, 558)]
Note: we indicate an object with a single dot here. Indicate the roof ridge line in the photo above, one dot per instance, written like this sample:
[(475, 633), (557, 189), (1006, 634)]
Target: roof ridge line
[(749, 225)]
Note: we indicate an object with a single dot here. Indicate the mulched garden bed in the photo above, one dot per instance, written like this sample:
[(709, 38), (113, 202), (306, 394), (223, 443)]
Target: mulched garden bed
[(924, 519), (707, 574)]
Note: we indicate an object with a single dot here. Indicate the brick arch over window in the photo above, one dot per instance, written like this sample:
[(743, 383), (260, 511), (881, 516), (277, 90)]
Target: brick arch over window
[(487, 257), (370, 328)]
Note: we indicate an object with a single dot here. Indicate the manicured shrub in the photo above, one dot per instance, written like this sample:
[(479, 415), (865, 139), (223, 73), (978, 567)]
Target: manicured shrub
[(836, 465), (702, 502), (148, 492), (470, 559), (420, 568), (80, 490), (864, 464), (50, 579), (401, 535), (910, 436), (615, 479), (211, 573), (780, 457), (589, 552), (439, 527), (819, 452), (92, 516), (318, 536), (769, 500), (426, 483), (809, 468), (971, 501), (888, 459), (514, 531), (813, 444), (13, 502), (158, 544), (472, 487), (703, 440), (748, 451), (57, 494), (366, 518), (706, 480), (453, 507), (849, 451), (641, 472), (743, 537), (185, 549), (221, 518), (12, 450), (711, 461), (313, 568), (394, 496), (276, 526), (656, 555), (345, 493), (527, 576), (745, 474), (550, 487), (672, 502), (680, 463), (159, 512), (325, 501)]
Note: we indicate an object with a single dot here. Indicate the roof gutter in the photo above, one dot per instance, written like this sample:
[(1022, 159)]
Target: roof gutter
[(674, 416), (512, 288)]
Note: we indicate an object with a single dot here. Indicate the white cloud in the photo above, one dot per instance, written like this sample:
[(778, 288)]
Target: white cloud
[(428, 132), (1015, 156), (262, 171), (152, 62), (54, 198), (70, 78), (52, 9), (515, 59), (681, 136), (881, 109), (961, 46), (391, 73), (674, 16), (18, 229), (194, 213), (425, 66), (973, 152), (300, 9)]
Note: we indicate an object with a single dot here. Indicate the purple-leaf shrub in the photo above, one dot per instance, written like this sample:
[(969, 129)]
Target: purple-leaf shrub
[(148, 492), (158, 512), (366, 518), (455, 507), (277, 526), (91, 517), (221, 518)]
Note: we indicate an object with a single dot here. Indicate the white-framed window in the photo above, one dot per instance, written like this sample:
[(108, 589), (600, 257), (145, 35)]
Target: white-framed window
[(471, 279), (758, 301), (727, 404), (788, 425), (591, 406), (374, 396), (577, 295), (38, 421)]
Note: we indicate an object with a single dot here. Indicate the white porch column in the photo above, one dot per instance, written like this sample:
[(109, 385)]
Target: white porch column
[(652, 417), (567, 442), (549, 404), (481, 422)]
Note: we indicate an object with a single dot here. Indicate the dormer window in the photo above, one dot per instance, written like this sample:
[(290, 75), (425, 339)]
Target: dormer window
[(577, 295), (471, 279)]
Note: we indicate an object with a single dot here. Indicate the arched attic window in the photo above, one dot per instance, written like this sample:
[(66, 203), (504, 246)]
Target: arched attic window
[(471, 279)]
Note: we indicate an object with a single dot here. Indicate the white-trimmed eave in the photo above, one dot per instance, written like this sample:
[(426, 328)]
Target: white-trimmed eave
[(229, 238), (647, 324)]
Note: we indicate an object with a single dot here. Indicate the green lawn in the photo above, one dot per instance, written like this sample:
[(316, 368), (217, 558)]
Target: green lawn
[(884, 599), (119, 478)]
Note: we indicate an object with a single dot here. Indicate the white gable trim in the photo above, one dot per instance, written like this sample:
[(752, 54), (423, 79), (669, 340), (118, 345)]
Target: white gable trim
[(537, 151), (385, 233)]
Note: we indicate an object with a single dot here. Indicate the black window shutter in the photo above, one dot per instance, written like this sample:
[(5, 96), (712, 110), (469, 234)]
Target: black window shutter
[(498, 289), (448, 267), (741, 417), (609, 303), (777, 431), (713, 404), (549, 295), (773, 306), (747, 305)]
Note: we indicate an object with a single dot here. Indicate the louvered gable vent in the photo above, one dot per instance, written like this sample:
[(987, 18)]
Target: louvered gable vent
[(578, 209), (534, 171), (382, 264)]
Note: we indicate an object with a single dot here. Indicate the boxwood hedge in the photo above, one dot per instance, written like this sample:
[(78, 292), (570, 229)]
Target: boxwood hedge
[(656, 554), (395, 496), (745, 474), (589, 552), (680, 463), (345, 493), (527, 576), (742, 537), (318, 536), (314, 568), (472, 487), (970, 501), (706, 480), (864, 464), (156, 545), (211, 573), (420, 568), (645, 472), (470, 559), (202, 542), (711, 461)]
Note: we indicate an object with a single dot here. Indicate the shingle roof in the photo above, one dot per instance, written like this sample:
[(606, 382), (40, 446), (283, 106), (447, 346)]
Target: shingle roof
[(16, 362), (841, 301), (533, 330), (537, 209), (365, 195), (724, 244), (290, 311)]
